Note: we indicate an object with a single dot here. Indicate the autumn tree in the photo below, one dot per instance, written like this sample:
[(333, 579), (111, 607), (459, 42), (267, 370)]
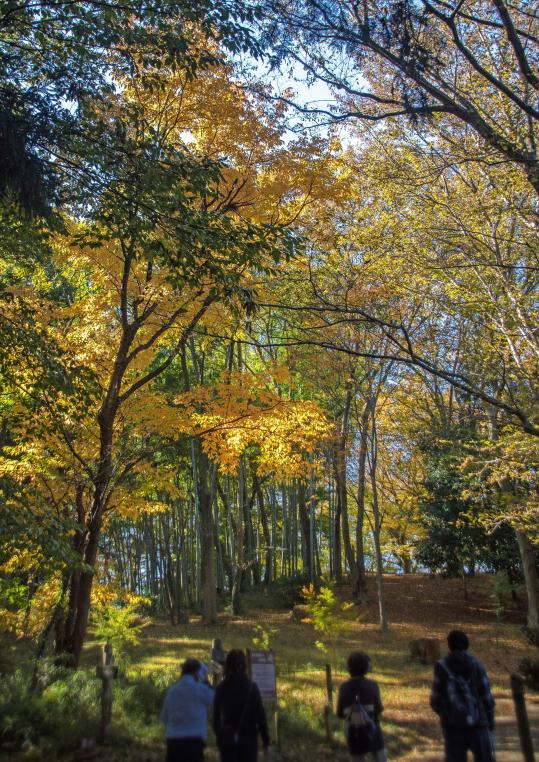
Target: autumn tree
[(56, 56), (434, 62)]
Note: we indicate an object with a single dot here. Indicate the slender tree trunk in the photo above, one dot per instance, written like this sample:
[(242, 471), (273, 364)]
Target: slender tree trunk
[(75, 642), (361, 583), (207, 538), (531, 578), (331, 520), (268, 556), (216, 534), (238, 541), (305, 527), (252, 575), (312, 536), (274, 530), (340, 468), (377, 529), (284, 530), (337, 557)]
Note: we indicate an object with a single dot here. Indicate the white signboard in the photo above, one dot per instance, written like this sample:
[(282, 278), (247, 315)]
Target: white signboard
[(262, 669)]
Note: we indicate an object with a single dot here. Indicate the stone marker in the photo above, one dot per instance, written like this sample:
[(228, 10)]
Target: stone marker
[(217, 661), (299, 613), (427, 650)]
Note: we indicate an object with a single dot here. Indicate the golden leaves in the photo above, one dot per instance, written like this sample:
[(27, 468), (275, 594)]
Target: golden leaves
[(242, 411)]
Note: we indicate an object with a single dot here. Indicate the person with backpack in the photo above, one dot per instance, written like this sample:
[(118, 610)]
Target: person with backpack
[(238, 713), (360, 705), (462, 698), (185, 713)]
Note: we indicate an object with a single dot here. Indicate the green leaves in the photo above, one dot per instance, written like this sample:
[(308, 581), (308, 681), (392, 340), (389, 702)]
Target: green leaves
[(57, 57), (119, 624)]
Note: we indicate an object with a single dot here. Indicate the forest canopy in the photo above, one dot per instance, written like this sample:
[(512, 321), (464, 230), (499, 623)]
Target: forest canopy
[(249, 335)]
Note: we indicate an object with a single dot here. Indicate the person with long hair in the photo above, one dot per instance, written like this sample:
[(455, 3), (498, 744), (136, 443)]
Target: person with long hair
[(238, 713)]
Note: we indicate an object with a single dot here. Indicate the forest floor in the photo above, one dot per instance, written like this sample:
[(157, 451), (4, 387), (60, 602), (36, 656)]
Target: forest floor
[(418, 606)]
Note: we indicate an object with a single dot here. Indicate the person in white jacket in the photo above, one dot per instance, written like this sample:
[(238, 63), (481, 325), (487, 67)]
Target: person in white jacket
[(185, 714)]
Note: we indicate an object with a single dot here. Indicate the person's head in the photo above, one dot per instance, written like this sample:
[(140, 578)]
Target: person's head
[(457, 640), (358, 664), (235, 663), (191, 667)]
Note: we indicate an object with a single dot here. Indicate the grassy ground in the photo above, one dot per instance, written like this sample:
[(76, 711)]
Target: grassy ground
[(418, 607)]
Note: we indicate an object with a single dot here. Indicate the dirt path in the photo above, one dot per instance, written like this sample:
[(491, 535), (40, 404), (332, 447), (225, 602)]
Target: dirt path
[(507, 732), (418, 606)]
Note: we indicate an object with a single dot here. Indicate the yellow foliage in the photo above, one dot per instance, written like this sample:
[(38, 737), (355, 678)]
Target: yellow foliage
[(29, 622), (242, 411), (105, 594)]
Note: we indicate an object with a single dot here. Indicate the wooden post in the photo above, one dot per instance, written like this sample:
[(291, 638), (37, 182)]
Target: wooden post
[(517, 689), (329, 685), (327, 722), (107, 671)]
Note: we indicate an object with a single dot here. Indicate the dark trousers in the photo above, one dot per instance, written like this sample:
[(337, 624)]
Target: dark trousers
[(458, 741), (244, 751), (185, 750)]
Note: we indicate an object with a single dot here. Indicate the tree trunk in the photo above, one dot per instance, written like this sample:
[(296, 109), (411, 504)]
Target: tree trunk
[(337, 557), (377, 528), (238, 542), (305, 528), (361, 582), (268, 555), (207, 538), (531, 578), (284, 531), (252, 576), (340, 468), (74, 640)]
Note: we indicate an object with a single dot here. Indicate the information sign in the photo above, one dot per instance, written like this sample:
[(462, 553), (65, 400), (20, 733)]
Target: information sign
[(262, 670)]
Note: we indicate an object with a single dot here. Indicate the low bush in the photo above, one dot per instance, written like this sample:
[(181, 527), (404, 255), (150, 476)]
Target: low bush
[(65, 708), (287, 592), (143, 695), (59, 715)]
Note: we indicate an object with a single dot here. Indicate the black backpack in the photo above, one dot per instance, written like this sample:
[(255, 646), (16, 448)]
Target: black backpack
[(360, 729), (462, 699)]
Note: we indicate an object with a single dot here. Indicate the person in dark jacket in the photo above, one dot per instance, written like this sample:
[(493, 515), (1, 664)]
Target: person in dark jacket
[(238, 713), (472, 729), (367, 692)]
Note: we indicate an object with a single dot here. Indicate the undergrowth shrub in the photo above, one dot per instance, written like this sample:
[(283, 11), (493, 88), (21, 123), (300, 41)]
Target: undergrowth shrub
[(287, 592), (119, 624), (59, 716), (143, 695), (300, 720), (66, 708), (72, 709), (328, 617), (501, 590)]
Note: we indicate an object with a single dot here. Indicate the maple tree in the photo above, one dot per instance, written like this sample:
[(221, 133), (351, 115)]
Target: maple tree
[(234, 355)]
